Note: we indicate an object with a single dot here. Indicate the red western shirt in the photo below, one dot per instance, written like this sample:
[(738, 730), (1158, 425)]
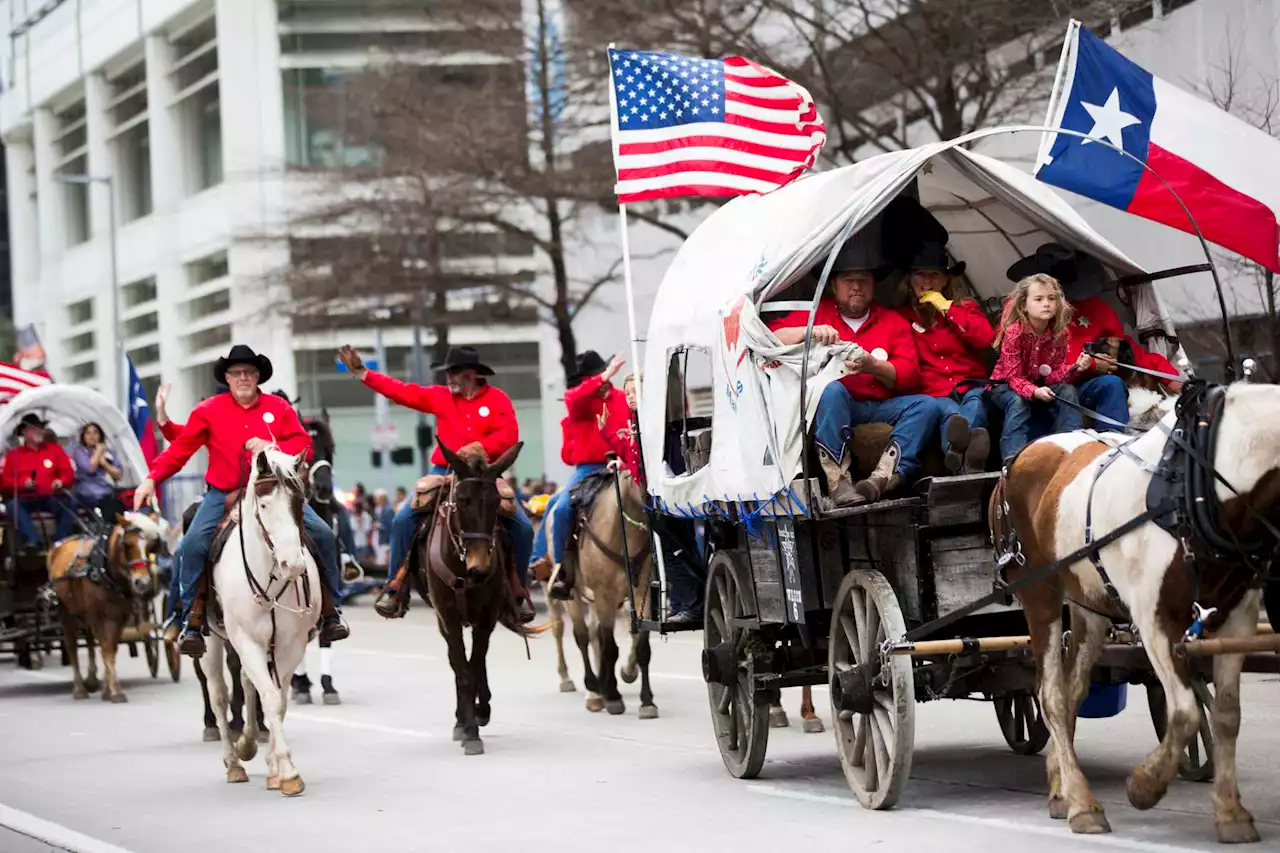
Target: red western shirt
[(592, 417), (488, 417), (884, 330), (1094, 320), (222, 425), (44, 463), (623, 443), (953, 348), (171, 430), (1023, 353)]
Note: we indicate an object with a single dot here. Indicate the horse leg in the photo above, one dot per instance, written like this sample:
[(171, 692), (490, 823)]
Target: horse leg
[(1150, 780), (253, 661), (91, 683), (648, 710), (778, 717), (582, 636), (1088, 633), (247, 743), (329, 692), (1084, 813), (237, 692), (480, 673), (631, 668), (210, 663), (69, 631), (812, 723), (1233, 821), (465, 730), (107, 630), (210, 722), (556, 608), (609, 660)]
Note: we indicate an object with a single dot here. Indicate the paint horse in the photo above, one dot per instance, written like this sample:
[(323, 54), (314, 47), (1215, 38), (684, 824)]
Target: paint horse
[(101, 586), (595, 557), (1180, 523), (265, 602)]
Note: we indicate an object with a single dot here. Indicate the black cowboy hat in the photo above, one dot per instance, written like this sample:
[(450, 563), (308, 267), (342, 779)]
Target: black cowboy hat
[(1080, 275), (932, 256), (241, 354), (905, 225), (859, 254), (30, 419), (587, 364), (463, 357)]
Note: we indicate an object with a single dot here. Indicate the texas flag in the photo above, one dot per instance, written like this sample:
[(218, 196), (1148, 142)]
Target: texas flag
[(140, 415), (1223, 169)]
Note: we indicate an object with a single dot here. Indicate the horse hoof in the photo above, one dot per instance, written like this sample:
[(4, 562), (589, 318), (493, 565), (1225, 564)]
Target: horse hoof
[(332, 698), (1238, 832), (235, 773), (210, 734), (778, 719), (629, 675), (1057, 808), (567, 686), (292, 787), (1090, 823), (273, 783), (648, 712), (264, 736), (92, 684), (458, 734), (473, 747), (302, 698), (80, 693), (615, 707), (1143, 792), (115, 698), (594, 704), (813, 726), (246, 749), (482, 721)]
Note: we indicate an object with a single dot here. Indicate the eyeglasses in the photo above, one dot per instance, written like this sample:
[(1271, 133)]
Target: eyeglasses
[(246, 373)]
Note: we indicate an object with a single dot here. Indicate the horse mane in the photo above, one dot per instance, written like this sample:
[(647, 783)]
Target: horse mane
[(281, 465), (145, 524)]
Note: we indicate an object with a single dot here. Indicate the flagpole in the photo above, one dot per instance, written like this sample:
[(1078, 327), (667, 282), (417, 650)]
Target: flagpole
[(1046, 141), (631, 327)]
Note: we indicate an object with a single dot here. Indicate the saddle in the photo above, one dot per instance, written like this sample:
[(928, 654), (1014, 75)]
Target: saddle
[(582, 497)]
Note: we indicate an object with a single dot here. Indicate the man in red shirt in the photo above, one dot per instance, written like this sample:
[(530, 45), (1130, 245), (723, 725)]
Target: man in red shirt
[(468, 410), (32, 472), (882, 374), (232, 426), (595, 409)]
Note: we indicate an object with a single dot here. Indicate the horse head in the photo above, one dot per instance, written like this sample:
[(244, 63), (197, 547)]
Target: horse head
[(277, 490), (475, 502), (129, 550), (1246, 450)]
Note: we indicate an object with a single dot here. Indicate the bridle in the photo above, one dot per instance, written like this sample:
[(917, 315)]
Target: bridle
[(449, 511)]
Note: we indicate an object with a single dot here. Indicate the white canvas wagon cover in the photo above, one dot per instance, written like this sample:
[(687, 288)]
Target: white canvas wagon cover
[(756, 246)]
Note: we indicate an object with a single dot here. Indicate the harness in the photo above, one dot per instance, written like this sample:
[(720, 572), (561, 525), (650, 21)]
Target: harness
[(461, 584)]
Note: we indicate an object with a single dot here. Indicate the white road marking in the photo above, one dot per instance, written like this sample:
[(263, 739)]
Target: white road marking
[(352, 724), (1058, 831), (52, 833)]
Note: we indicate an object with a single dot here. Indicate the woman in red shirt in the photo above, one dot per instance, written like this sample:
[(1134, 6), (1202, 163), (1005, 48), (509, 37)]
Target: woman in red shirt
[(952, 337)]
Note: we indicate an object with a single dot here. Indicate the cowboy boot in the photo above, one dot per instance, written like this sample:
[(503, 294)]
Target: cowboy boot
[(883, 479), (331, 628), (839, 486), (192, 641), (524, 602), (562, 587), (975, 458), (956, 432), (393, 602)]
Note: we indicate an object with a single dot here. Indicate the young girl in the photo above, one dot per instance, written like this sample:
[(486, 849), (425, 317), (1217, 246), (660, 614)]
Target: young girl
[(1032, 379)]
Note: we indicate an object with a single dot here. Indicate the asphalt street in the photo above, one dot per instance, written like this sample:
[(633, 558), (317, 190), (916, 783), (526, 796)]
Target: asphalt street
[(382, 772)]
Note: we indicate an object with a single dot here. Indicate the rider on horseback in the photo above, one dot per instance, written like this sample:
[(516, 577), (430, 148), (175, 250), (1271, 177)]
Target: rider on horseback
[(468, 410), (596, 409), (228, 424)]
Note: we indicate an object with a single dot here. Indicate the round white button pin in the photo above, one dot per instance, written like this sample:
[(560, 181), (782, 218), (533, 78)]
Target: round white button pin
[(268, 417)]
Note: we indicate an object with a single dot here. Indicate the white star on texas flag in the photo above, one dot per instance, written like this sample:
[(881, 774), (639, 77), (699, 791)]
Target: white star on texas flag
[(1109, 121)]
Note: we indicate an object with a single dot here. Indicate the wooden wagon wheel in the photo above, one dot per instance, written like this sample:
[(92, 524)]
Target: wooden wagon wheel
[(152, 648), (1021, 722), (1196, 762), (739, 716), (873, 703)]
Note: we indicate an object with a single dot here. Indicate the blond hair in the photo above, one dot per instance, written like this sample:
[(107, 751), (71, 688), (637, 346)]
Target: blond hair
[(1015, 306)]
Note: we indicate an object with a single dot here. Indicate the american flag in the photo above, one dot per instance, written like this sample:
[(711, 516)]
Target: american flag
[(14, 379), (710, 127)]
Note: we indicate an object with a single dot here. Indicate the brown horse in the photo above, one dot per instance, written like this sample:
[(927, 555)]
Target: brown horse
[(101, 592), (468, 571), (601, 586)]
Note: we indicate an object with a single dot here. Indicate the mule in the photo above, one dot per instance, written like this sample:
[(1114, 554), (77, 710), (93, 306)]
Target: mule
[(461, 559), (810, 722), (601, 589), (101, 592), (1066, 490), (264, 602)]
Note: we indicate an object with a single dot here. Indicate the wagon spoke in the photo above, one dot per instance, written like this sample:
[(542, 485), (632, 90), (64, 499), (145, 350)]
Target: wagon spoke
[(884, 725), (880, 751), (726, 698), (859, 621), (1193, 749), (872, 633), (850, 636), (885, 700), (870, 760), (718, 620), (722, 587), (859, 736)]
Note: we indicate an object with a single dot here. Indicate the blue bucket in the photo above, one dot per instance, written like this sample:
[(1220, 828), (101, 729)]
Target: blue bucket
[(1104, 700)]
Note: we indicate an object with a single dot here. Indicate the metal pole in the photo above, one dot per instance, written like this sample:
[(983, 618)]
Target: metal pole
[(382, 414), (420, 378), (121, 375)]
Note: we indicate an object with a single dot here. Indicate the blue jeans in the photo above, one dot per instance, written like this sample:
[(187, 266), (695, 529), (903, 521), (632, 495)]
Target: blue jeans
[(558, 513), (1106, 395), (344, 529), (193, 551), (972, 407), (63, 508), (518, 527), (914, 418), (1026, 420)]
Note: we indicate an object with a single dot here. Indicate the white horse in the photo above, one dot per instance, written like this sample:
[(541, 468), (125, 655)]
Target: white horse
[(269, 632), (1066, 488)]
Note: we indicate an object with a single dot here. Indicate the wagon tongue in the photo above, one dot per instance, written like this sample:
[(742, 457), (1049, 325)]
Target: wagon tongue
[(852, 689)]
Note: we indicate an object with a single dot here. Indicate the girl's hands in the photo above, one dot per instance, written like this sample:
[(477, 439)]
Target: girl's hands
[(1044, 394)]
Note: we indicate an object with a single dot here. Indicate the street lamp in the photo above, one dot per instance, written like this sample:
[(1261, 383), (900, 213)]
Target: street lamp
[(120, 376)]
